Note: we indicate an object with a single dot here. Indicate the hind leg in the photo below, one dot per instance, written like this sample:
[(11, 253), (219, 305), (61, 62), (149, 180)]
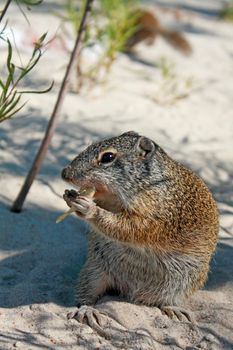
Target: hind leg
[(168, 306), (93, 283), (172, 311), (176, 311)]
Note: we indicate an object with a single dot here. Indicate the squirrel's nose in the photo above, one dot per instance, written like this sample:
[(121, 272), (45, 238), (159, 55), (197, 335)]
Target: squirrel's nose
[(66, 173)]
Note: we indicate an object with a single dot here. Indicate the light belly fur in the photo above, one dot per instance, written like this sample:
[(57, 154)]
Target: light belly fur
[(144, 275)]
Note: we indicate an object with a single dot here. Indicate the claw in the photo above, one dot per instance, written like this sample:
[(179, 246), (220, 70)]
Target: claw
[(92, 317), (175, 312)]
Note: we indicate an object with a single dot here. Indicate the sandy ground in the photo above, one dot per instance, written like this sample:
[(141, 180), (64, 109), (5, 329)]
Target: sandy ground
[(40, 261)]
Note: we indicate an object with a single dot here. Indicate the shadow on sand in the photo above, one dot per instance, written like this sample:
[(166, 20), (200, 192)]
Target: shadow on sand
[(50, 256)]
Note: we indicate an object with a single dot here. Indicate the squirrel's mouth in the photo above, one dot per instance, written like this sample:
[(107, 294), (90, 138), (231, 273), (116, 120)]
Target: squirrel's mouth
[(104, 196), (100, 189)]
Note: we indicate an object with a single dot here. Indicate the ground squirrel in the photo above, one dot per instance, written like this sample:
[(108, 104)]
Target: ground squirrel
[(154, 223), (149, 28)]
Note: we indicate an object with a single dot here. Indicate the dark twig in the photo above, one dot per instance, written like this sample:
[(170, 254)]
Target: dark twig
[(17, 206), (3, 12)]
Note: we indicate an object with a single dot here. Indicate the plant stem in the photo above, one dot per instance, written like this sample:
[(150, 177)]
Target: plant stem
[(4, 10), (17, 205)]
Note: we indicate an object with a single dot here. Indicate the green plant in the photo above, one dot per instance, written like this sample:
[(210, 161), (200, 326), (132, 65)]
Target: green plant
[(17, 206), (10, 92), (113, 23), (29, 2), (227, 12), (121, 24)]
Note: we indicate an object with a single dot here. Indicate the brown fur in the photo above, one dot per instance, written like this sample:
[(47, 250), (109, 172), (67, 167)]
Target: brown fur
[(149, 27), (155, 223)]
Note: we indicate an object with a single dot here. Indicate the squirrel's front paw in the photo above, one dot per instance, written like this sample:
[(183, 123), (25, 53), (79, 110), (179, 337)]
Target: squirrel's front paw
[(85, 207)]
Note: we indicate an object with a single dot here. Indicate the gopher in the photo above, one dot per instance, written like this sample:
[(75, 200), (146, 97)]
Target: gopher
[(154, 224)]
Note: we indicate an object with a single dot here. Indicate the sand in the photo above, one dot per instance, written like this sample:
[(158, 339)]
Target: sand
[(40, 261)]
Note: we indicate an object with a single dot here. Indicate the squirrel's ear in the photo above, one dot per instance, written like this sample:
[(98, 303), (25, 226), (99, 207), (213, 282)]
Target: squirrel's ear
[(145, 146)]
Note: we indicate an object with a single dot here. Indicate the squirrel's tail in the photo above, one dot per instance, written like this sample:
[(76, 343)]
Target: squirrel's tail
[(149, 28), (176, 40)]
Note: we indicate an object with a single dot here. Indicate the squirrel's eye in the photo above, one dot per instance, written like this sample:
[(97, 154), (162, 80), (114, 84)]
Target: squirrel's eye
[(107, 157)]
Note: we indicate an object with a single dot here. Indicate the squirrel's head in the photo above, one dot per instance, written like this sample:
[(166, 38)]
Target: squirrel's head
[(119, 168)]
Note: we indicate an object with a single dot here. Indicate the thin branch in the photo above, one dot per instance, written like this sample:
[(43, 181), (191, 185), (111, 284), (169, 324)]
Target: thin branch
[(17, 206), (4, 10)]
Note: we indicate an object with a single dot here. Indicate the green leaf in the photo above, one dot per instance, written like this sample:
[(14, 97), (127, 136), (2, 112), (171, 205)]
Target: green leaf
[(39, 91), (7, 102), (30, 2), (13, 113), (30, 66), (4, 111), (6, 86), (9, 56), (1, 84)]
